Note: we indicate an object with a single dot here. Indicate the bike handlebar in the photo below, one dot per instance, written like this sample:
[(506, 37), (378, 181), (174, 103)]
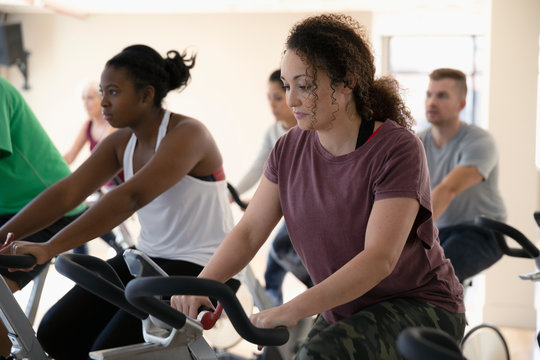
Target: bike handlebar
[(141, 291), (236, 197), (527, 250), (22, 261), (98, 277)]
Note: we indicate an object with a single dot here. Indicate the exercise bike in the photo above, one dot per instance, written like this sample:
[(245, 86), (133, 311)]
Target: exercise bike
[(19, 326), (26, 346), (168, 333), (20, 330), (428, 343), (119, 239), (19, 323)]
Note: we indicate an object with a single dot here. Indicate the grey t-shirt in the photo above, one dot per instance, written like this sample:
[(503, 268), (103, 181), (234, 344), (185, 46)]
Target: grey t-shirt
[(471, 146)]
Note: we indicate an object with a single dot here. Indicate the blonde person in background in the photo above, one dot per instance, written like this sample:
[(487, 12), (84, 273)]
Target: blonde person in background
[(93, 130)]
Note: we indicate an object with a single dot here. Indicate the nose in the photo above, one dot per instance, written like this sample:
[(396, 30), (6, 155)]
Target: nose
[(429, 100), (292, 98), (104, 102)]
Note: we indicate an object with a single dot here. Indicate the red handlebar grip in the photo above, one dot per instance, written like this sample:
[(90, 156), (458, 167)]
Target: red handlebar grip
[(209, 319)]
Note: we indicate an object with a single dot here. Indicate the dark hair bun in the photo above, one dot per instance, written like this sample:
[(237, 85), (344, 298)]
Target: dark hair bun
[(178, 66)]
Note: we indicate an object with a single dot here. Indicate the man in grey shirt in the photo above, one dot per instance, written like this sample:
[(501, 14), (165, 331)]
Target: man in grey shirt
[(463, 168)]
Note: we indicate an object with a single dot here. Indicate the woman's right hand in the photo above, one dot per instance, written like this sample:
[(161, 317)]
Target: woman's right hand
[(37, 250), (189, 305)]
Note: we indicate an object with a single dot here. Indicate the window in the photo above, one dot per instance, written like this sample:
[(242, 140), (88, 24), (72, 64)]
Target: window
[(412, 58)]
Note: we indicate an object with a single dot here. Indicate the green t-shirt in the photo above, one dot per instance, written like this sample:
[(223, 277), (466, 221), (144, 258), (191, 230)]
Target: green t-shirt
[(29, 161)]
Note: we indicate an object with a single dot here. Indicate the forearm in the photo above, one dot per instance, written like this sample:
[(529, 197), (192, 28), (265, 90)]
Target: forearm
[(354, 279), (256, 169), (441, 197), (454, 183), (247, 182), (77, 146), (250, 178), (107, 213), (232, 256), (69, 157)]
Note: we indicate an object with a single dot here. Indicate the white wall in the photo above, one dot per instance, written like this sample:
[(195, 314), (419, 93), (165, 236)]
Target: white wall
[(515, 34), (235, 55)]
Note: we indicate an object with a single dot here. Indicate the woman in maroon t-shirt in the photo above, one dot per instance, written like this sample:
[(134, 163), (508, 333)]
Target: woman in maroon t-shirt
[(352, 183)]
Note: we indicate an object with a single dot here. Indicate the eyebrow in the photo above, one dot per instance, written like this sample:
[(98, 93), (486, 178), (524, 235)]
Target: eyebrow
[(437, 92), (294, 78), (108, 86)]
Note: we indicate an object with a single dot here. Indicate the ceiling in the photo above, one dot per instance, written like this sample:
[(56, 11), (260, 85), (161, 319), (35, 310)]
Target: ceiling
[(82, 8)]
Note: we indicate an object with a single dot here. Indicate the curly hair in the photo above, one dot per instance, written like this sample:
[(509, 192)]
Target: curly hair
[(337, 44)]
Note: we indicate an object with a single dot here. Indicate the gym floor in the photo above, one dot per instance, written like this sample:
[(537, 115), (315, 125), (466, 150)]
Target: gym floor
[(521, 342)]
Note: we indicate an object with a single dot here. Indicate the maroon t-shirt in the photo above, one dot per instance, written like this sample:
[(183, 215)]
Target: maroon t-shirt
[(326, 201)]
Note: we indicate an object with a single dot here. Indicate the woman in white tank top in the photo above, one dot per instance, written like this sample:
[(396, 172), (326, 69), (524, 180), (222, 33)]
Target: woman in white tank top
[(174, 180)]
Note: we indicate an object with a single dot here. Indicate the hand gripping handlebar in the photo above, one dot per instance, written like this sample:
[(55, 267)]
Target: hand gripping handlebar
[(141, 291)]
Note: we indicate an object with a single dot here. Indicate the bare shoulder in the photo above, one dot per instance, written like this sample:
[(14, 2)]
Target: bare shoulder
[(185, 125)]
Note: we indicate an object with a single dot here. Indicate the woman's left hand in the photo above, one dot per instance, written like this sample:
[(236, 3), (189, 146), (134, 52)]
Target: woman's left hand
[(274, 317)]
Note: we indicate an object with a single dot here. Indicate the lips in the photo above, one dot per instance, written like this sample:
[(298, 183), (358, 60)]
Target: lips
[(299, 115)]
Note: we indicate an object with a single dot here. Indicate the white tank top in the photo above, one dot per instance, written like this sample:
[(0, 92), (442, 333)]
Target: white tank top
[(186, 222)]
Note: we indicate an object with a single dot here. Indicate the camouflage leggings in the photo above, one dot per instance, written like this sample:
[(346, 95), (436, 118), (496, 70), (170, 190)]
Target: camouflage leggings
[(372, 332)]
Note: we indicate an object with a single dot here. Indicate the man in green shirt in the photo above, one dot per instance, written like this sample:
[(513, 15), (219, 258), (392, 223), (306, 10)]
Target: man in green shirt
[(29, 163)]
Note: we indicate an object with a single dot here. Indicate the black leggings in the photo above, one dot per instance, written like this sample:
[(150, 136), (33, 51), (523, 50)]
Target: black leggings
[(81, 322)]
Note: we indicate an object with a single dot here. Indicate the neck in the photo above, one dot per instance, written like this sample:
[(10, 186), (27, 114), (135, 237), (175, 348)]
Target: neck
[(442, 134), (340, 137), (147, 126)]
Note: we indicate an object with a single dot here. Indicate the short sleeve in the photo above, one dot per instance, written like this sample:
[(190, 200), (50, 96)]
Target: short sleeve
[(479, 150), (404, 173), (5, 115), (272, 163), (402, 169)]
